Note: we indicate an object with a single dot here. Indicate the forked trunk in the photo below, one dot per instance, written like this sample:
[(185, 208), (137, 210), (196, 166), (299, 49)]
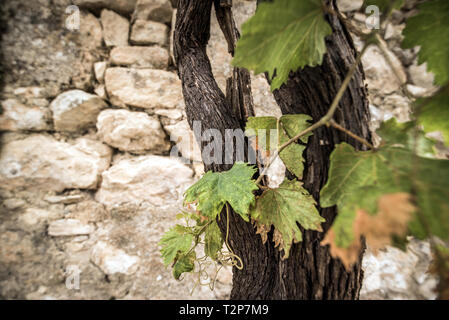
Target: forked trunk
[(310, 272)]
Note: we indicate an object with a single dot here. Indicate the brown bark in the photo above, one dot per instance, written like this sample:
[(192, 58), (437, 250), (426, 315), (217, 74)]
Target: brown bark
[(310, 272)]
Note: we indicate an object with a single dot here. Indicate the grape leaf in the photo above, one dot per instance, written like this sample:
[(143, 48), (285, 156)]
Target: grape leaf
[(395, 211), (283, 36), (289, 126), (184, 263), (430, 30), (395, 133), (214, 189), (174, 241), (283, 208), (434, 113), (358, 179), (213, 240)]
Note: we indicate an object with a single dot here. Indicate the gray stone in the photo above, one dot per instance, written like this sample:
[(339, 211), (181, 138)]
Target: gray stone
[(121, 6), (349, 5), (115, 28), (112, 260), (69, 227), (100, 69), (379, 75), (149, 32), (76, 110), (144, 88), (134, 132), (42, 162), (145, 180), (182, 135), (17, 116), (153, 57), (155, 10)]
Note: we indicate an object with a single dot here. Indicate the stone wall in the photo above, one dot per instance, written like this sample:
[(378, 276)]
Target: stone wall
[(89, 118)]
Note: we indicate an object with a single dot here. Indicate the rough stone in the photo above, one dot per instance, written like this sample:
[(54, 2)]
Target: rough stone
[(419, 76), (121, 6), (91, 34), (112, 260), (149, 180), (87, 211), (183, 136), (155, 10), (38, 49), (99, 70), (349, 5), (115, 28), (76, 110), (34, 218), (134, 132), (69, 227), (17, 116), (395, 274), (144, 88), (379, 76), (153, 57), (42, 162), (149, 32)]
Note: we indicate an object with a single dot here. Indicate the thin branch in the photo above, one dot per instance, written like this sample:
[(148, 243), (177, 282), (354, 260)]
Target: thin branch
[(324, 120), (351, 134)]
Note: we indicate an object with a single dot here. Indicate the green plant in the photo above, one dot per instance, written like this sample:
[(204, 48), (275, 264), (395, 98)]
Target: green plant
[(385, 193)]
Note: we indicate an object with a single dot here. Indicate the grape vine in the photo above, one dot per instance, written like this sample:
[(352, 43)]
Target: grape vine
[(388, 192)]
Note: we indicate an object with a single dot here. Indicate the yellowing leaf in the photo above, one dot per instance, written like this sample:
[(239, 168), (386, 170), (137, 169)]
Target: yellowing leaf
[(214, 189), (283, 208), (283, 36), (395, 212)]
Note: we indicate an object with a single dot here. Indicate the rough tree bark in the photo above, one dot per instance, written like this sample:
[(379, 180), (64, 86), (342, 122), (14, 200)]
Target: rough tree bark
[(310, 272)]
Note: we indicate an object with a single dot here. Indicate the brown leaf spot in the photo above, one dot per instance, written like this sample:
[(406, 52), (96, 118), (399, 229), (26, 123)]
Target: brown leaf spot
[(395, 211)]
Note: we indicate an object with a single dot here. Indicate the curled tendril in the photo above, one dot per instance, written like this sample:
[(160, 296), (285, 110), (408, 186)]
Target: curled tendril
[(224, 258)]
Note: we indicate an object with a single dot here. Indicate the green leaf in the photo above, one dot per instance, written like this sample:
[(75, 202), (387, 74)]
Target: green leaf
[(283, 36), (292, 156), (283, 208), (263, 128), (184, 263), (357, 179), (174, 241), (432, 193), (214, 189), (213, 240), (385, 5), (434, 115), (430, 30), (395, 133), (290, 126)]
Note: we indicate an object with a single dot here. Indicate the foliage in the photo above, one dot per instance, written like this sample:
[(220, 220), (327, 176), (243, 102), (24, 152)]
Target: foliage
[(262, 128), (434, 113), (282, 36), (397, 189), (429, 30), (214, 189), (359, 179), (283, 208)]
